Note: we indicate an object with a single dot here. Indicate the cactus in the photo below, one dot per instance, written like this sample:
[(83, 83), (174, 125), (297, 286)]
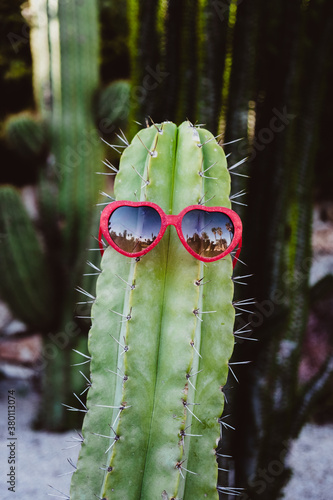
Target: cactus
[(21, 251), (177, 52), (277, 404), (26, 135), (114, 104), (40, 288), (160, 347), (235, 44)]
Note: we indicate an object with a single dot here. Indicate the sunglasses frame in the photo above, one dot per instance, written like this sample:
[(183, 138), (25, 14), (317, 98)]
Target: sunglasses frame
[(170, 220)]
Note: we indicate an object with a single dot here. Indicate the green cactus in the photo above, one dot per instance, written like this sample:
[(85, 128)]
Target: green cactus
[(21, 251), (158, 363), (236, 96), (45, 268), (114, 104), (177, 52), (26, 135)]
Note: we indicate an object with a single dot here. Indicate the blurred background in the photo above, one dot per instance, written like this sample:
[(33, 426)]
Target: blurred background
[(257, 74)]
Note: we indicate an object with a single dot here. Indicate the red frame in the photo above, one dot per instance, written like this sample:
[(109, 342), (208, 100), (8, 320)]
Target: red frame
[(170, 220)]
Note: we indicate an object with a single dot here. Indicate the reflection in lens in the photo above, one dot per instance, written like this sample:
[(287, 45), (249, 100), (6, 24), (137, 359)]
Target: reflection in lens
[(134, 228), (208, 234)]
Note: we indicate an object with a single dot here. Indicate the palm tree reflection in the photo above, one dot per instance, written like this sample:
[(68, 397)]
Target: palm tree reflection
[(134, 228), (131, 243), (211, 246)]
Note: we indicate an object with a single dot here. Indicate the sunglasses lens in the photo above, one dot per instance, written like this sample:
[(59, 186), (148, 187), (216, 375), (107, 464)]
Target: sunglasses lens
[(208, 234), (133, 229)]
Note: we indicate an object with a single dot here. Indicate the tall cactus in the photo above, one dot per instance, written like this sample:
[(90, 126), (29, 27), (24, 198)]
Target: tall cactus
[(160, 346), (277, 404), (64, 45)]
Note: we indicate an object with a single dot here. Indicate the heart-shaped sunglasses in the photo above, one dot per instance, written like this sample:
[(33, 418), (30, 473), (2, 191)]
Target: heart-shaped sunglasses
[(135, 228)]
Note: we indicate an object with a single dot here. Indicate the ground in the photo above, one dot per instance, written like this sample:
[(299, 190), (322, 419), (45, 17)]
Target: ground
[(41, 457)]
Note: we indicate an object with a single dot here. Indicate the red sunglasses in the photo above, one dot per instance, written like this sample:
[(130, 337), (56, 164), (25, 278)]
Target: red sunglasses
[(135, 228)]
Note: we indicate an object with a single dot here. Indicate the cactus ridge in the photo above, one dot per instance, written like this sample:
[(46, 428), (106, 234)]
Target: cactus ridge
[(161, 341)]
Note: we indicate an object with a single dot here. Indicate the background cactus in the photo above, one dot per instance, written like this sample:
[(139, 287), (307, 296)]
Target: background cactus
[(279, 404), (224, 64), (27, 135), (47, 263), (281, 164), (160, 348), (114, 104), (21, 250)]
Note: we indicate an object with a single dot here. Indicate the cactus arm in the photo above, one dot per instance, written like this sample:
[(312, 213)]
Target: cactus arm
[(66, 34), (26, 135), (23, 268)]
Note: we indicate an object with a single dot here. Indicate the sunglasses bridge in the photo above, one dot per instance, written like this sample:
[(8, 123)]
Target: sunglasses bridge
[(171, 220)]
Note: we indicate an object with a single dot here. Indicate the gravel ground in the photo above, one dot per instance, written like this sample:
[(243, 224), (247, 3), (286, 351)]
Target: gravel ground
[(311, 459), (41, 457)]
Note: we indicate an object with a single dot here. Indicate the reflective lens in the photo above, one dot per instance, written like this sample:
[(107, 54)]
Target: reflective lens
[(208, 234), (134, 228)]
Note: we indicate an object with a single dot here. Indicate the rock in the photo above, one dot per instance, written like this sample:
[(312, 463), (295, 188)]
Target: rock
[(25, 351)]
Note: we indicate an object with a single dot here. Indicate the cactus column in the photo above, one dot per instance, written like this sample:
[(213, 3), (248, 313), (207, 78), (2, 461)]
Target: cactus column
[(160, 348)]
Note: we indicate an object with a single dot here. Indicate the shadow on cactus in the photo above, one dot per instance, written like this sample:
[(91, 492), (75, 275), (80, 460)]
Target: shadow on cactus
[(162, 324)]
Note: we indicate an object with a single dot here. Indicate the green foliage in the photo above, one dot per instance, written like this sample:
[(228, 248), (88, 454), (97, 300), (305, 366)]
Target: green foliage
[(145, 397)]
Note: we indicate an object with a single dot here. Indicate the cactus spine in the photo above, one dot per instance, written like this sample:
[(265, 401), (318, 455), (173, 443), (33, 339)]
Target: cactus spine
[(157, 371)]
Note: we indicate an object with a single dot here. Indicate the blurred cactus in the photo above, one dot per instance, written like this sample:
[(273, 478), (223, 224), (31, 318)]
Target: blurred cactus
[(277, 402), (41, 269), (26, 135), (276, 111), (178, 59), (114, 105), (25, 274)]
